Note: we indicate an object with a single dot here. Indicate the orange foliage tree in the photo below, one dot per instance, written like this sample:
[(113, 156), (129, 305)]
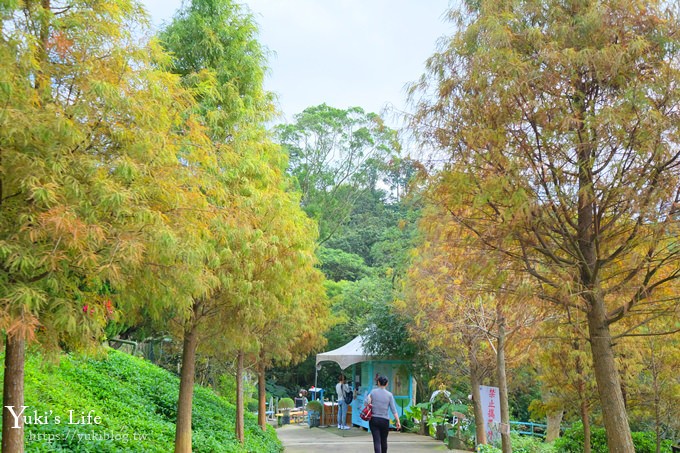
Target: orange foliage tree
[(560, 121)]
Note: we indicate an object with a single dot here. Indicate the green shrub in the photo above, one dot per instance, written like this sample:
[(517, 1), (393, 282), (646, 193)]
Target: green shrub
[(136, 402), (314, 405), (408, 420), (530, 444), (520, 444), (573, 439), (286, 403), (487, 448), (252, 405), (645, 442)]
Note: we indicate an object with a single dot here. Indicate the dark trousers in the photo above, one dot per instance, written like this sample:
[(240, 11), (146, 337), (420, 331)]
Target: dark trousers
[(380, 427)]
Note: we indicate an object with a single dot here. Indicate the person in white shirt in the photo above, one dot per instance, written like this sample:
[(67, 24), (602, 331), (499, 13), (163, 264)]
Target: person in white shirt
[(342, 389)]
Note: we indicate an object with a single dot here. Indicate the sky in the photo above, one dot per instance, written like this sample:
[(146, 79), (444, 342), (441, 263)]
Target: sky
[(344, 53)]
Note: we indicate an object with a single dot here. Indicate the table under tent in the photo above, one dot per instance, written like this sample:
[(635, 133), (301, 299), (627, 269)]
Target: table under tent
[(361, 370)]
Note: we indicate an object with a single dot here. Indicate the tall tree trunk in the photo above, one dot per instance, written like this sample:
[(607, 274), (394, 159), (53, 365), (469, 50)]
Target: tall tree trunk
[(261, 394), (654, 369), (608, 382), (475, 381), (15, 345), (554, 417), (13, 395), (585, 417), (583, 397), (240, 431), (503, 383), (619, 439), (186, 388)]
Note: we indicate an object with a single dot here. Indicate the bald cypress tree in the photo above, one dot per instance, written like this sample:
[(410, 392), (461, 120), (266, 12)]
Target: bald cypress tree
[(561, 122), (89, 168)]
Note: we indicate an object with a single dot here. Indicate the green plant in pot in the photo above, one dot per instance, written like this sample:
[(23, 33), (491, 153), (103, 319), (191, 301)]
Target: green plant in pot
[(285, 405), (314, 410)]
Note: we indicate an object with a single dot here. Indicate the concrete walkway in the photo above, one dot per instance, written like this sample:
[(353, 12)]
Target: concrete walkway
[(302, 439)]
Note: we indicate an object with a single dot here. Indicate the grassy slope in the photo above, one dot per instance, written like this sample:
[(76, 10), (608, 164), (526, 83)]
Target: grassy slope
[(137, 405)]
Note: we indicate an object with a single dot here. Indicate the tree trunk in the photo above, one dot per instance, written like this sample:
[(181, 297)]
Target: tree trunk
[(619, 439), (554, 424), (554, 418), (654, 369), (423, 430), (261, 394), (186, 390), (583, 397), (503, 384), (476, 396), (13, 395), (585, 417), (240, 431), (608, 382)]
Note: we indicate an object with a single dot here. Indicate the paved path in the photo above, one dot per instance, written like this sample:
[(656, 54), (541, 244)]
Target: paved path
[(302, 439)]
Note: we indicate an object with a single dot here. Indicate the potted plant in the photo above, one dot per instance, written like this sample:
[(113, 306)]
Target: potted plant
[(314, 411), (285, 405)]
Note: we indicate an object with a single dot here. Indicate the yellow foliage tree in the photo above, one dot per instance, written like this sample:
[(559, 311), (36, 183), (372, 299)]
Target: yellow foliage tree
[(91, 163)]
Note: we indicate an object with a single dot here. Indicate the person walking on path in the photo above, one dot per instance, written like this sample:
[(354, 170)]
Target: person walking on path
[(382, 401), (341, 388)]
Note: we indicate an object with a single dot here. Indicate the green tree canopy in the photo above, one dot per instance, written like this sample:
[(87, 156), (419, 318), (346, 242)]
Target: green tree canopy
[(338, 265), (215, 49), (335, 155)]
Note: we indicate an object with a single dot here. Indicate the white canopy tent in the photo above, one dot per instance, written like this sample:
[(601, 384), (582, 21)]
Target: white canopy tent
[(347, 355), (394, 369)]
